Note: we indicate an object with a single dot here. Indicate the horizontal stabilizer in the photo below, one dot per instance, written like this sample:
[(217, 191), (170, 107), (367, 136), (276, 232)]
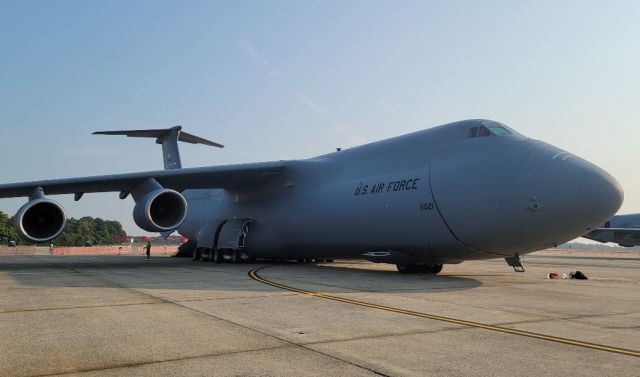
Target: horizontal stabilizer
[(169, 139), (160, 133)]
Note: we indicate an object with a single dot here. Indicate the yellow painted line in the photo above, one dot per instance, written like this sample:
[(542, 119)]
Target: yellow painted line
[(578, 343)]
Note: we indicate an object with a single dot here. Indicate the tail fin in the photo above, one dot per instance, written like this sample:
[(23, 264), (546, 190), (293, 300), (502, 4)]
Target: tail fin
[(169, 139)]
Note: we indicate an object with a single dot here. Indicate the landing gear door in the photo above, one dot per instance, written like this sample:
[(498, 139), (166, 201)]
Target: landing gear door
[(233, 233), (207, 234)]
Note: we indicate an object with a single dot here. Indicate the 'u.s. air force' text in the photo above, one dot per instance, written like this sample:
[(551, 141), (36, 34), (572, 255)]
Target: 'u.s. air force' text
[(382, 187)]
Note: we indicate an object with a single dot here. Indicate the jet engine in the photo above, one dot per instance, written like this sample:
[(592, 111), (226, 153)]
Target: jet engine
[(160, 210), (40, 220)]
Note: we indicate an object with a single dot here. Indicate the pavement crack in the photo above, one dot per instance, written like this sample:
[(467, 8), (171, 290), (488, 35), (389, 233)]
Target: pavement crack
[(77, 307), (129, 365)]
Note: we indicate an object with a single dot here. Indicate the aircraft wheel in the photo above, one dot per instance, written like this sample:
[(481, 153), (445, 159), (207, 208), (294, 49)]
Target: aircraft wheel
[(197, 254), (426, 268), (408, 268), (436, 268), (217, 256), (248, 258), (236, 257), (402, 268)]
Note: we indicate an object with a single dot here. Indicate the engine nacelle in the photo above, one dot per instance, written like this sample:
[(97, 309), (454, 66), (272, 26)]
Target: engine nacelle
[(40, 220), (160, 210)]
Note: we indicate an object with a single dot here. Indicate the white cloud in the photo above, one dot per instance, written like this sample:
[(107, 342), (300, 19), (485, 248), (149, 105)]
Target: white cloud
[(348, 133), (258, 58), (344, 129), (309, 103), (275, 73)]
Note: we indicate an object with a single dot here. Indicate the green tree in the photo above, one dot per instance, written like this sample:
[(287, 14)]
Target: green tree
[(7, 231), (75, 233), (95, 230)]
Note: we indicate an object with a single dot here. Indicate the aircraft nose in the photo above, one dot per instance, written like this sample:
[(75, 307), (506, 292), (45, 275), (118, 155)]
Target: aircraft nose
[(567, 195), (527, 196)]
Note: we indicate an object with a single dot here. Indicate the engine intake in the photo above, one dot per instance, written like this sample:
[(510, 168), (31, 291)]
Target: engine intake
[(160, 210), (40, 220)]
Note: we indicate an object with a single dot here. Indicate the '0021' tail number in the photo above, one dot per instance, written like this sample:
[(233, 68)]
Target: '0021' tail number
[(426, 206)]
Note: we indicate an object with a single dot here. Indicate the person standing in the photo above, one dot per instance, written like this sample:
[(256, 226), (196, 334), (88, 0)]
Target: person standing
[(148, 247)]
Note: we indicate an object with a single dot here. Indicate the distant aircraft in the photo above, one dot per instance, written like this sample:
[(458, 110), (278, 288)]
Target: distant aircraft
[(621, 229), (473, 189)]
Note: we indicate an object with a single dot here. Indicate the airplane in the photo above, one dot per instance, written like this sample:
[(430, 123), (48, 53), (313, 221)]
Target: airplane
[(621, 229), (472, 189)]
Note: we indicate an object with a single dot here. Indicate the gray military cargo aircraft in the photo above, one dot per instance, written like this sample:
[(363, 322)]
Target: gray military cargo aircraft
[(621, 229), (472, 189)]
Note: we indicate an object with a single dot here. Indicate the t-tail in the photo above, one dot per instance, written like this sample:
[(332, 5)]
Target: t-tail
[(169, 139)]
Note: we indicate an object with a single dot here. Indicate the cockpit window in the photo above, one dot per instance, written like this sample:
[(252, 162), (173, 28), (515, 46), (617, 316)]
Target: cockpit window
[(483, 131), (498, 130), (489, 128)]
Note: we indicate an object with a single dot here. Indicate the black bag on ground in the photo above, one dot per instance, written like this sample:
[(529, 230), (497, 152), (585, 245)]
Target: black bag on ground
[(578, 275)]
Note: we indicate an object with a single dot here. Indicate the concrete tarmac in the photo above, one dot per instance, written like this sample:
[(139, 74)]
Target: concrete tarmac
[(115, 316)]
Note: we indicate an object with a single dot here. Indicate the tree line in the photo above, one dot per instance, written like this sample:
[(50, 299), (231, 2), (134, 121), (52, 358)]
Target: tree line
[(77, 232)]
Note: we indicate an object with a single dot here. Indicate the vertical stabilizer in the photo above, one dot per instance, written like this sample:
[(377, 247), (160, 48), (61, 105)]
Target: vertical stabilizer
[(168, 138), (170, 150)]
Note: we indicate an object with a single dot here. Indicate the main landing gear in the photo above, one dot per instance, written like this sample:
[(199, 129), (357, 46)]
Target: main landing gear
[(223, 255), (419, 268), (302, 260)]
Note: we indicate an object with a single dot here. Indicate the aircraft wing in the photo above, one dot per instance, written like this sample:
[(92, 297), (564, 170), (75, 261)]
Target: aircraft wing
[(622, 236), (226, 176)]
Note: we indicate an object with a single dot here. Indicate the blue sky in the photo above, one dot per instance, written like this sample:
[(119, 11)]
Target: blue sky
[(291, 79)]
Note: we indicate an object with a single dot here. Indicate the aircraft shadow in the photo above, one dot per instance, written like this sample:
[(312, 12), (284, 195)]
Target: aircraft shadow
[(184, 274)]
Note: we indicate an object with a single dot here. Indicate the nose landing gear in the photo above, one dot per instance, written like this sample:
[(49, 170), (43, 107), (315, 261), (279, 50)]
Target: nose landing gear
[(515, 262), (419, 268)]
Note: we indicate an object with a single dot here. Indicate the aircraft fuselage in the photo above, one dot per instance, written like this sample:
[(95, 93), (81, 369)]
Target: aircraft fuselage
[(442, 195)]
